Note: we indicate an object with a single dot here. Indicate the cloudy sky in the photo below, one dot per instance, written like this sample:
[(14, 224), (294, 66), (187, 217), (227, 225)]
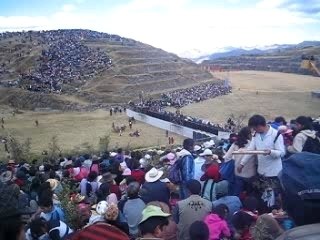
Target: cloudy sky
[(179, 26)]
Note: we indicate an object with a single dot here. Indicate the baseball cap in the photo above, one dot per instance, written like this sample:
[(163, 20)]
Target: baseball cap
[(152, 211)]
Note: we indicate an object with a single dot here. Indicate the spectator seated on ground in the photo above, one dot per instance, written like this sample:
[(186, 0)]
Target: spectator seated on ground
[(153, 222), (232, 202)]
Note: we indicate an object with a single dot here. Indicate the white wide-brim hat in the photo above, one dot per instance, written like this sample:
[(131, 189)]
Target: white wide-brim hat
[(153, 175), (206, 152)]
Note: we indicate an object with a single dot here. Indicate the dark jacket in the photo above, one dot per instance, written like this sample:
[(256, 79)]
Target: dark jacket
[(156, 191), (187, 165)]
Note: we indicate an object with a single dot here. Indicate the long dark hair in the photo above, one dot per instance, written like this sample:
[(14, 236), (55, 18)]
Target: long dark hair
[(103, 192), (91, 177), (221, 210), (305, 122), (243, 137)]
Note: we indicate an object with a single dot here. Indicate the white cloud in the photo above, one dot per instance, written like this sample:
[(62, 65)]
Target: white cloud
[(68, 8), (178, 26), (22, 22), (270, 4)]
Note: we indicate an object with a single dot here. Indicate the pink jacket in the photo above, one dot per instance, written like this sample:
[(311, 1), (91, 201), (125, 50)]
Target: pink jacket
[(217, 227)]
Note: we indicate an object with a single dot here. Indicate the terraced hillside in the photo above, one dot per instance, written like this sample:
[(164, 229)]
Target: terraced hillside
[(142, 68), (69, 68), (286, 60)]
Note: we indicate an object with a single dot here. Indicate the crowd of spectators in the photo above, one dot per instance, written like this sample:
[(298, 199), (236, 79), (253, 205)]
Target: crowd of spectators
[(64, 59), (180, 98), (192, 192), (201, 92)]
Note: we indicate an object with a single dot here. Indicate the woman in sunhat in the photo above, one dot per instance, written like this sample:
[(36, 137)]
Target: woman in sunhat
[(114, 188), (211, 175)]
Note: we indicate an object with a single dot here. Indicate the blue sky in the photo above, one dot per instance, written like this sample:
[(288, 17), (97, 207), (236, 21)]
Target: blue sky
[(185, 27)]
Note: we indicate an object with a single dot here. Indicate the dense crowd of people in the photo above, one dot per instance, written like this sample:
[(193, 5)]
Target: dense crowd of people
[(64, 59), (183, 97), (194, 192)]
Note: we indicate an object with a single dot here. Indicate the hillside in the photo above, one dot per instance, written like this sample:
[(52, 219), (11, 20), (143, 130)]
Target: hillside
[(67, 69), (282, 58)]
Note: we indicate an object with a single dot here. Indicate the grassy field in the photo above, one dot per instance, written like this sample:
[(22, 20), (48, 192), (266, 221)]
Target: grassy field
[(267, 93), (78, 130), (278, 94)]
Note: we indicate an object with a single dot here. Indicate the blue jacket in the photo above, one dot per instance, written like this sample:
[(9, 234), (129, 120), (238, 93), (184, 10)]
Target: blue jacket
[(155, 191), (187, 165)]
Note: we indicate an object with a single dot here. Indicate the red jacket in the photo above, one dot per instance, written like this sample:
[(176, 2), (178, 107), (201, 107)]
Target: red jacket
[(116, 190), (138, 175)]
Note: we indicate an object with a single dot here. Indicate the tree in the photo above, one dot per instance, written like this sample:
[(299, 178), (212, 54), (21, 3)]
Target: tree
[(237, 121)]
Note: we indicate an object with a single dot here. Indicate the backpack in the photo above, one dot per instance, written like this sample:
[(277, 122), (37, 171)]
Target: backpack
[(312, 145), (209, 190), (175, 175)]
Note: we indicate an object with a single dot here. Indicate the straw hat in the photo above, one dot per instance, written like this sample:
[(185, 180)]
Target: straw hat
[(107, 178), (78, 198), (197, 148), (206, 152), (209, 144), (53, 183), (153, 175)]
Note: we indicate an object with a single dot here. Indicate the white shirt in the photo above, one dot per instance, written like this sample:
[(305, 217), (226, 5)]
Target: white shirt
[(250, 169), (270, 165), (198, 162)]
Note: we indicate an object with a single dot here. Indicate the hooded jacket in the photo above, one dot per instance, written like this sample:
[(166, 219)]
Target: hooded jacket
[(300, 139), (217, 227), (233, 202), (187, 165)]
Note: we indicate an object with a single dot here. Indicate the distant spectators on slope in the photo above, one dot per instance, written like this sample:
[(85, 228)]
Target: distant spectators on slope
[(64, 59)]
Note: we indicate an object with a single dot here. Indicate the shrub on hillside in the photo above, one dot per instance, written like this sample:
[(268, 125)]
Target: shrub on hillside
[(19, 151), (104, 142), (54, 150)]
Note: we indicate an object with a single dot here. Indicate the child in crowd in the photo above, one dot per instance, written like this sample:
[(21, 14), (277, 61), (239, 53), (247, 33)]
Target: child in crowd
[(218, 227)]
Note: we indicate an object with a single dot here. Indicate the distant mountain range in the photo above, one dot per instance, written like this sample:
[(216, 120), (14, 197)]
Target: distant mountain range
[(276, 58), (257, 50)]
